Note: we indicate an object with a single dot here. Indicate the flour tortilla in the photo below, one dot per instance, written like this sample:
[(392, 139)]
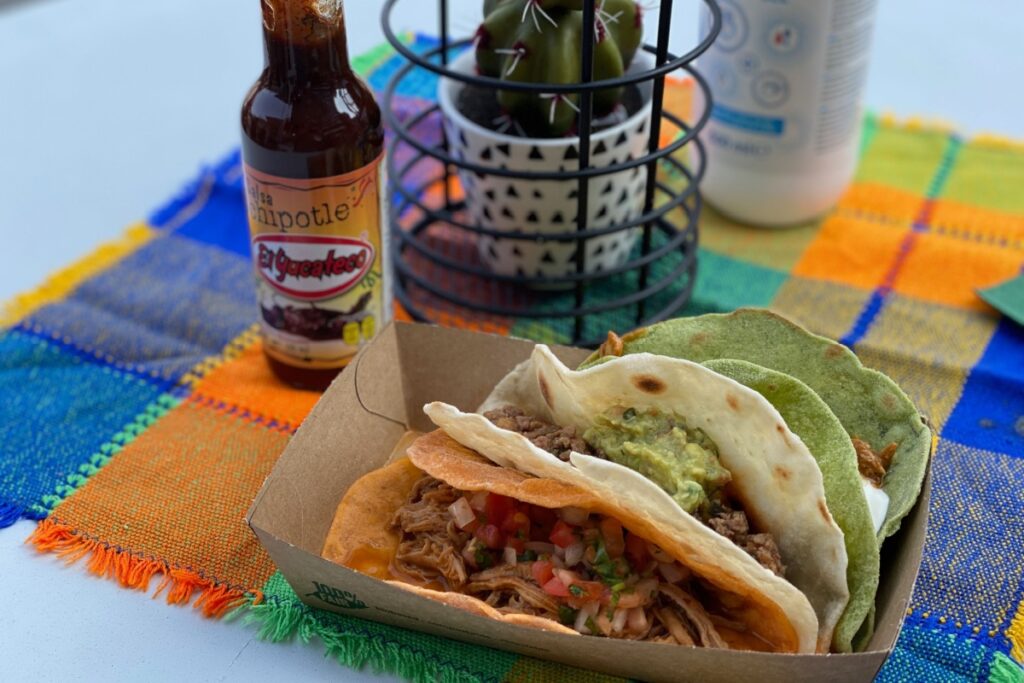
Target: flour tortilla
[(810, 419), (774, 475), (769, 607), (869, 405)]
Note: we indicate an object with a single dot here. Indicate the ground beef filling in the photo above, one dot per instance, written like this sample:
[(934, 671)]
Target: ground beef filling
[(561, 441), (872, 465), (734, 525), (620, 586)]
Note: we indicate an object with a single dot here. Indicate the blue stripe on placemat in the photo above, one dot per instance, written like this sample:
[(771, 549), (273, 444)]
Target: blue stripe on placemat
[(163, 308), (990, 413), (58, 410)]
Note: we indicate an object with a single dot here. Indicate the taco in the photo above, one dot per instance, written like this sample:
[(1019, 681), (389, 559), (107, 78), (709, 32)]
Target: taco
[(810, 419), (705, 456), (891, 439), (452, 526)]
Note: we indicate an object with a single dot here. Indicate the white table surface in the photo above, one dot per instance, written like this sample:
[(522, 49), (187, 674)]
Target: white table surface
[(107, 107)]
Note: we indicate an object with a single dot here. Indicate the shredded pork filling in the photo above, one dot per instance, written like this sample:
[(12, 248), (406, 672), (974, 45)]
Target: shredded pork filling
[(561, 441), (580, 569), (872, 465)]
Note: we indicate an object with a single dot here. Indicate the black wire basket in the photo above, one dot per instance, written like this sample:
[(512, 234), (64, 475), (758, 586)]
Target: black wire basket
[(439, 275)]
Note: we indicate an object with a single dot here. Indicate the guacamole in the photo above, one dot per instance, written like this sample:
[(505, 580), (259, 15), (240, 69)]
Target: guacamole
[(681, 460)]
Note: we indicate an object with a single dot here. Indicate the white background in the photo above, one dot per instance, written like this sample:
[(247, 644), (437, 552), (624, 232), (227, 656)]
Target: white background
[(108, 106)]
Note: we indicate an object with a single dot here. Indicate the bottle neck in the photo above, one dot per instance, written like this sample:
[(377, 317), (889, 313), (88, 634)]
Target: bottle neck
[(304, 43)]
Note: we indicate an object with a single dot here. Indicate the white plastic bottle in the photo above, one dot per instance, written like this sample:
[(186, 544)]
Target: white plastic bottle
[(787, 79)]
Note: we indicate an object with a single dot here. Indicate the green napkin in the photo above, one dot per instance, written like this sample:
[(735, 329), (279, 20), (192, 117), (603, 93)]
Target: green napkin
[(1008, 297)]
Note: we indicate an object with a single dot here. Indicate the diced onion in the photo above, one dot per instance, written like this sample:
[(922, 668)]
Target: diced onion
[(462, 513), (659, 554), (604, 623), (672, 572), (567, 577), (588, 611), (581, 622), (574, 553), (556, 561), (619, 620), (574, 516), (478, 501), (637, 620), (509, 556), (540, 547)]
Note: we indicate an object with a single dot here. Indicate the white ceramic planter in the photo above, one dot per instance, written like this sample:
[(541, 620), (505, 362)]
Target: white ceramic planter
[(548, 206)]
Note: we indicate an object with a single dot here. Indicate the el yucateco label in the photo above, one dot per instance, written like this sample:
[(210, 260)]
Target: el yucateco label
[(318, 247)]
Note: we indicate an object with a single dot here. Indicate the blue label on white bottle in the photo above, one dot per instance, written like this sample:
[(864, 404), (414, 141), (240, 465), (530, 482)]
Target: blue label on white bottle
[(787, 78)]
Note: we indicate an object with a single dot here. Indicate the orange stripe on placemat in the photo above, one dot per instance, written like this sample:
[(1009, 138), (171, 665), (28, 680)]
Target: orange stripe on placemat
[(137, 572)]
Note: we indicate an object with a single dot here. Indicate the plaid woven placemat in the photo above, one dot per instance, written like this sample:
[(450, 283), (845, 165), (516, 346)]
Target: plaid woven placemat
[(140, 419)]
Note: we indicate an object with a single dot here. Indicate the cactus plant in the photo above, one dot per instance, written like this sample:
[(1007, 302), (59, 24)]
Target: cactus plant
[(540, 41)]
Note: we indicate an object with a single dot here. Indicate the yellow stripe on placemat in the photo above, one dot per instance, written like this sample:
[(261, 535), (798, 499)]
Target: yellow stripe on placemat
[(1016, 634), (62, 282)]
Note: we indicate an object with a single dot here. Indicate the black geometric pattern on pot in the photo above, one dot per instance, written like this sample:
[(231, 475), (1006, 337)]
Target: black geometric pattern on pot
[(603, 212), (573, 193), (643, 127), (624, 197), (535, 153), (636, 171), (507, 213), (571, 152), (462, 139), (487, 215), (486, 154), (492, 251), (479, 175), (558, 217), (599, 250), (503, 148), (607, 189), (532, 217), (547, 257), (520, 272), (537, 194), (489, 194), (511, 192), (516, 252), (621, 140), (601, 148)]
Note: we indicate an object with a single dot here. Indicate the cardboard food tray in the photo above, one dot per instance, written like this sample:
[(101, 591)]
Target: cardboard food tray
[(364, 420)]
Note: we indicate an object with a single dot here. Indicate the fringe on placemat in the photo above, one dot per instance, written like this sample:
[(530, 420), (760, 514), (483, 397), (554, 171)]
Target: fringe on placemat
[(60, 283), (279, 622), (1005, 670), (132, 571)]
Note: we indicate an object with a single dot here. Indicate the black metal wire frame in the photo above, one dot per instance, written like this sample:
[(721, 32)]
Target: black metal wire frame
[(654, 219)]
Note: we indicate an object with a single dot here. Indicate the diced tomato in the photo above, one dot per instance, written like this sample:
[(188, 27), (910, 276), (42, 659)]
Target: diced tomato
[(636, 550), (490, 536), (611, 530), (498, 508), (562, 535), (517, 543), (541, 570), (518, 525), (555, 587)]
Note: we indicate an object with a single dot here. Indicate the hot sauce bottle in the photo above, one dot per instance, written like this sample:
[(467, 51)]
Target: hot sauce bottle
[(312, 152)]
